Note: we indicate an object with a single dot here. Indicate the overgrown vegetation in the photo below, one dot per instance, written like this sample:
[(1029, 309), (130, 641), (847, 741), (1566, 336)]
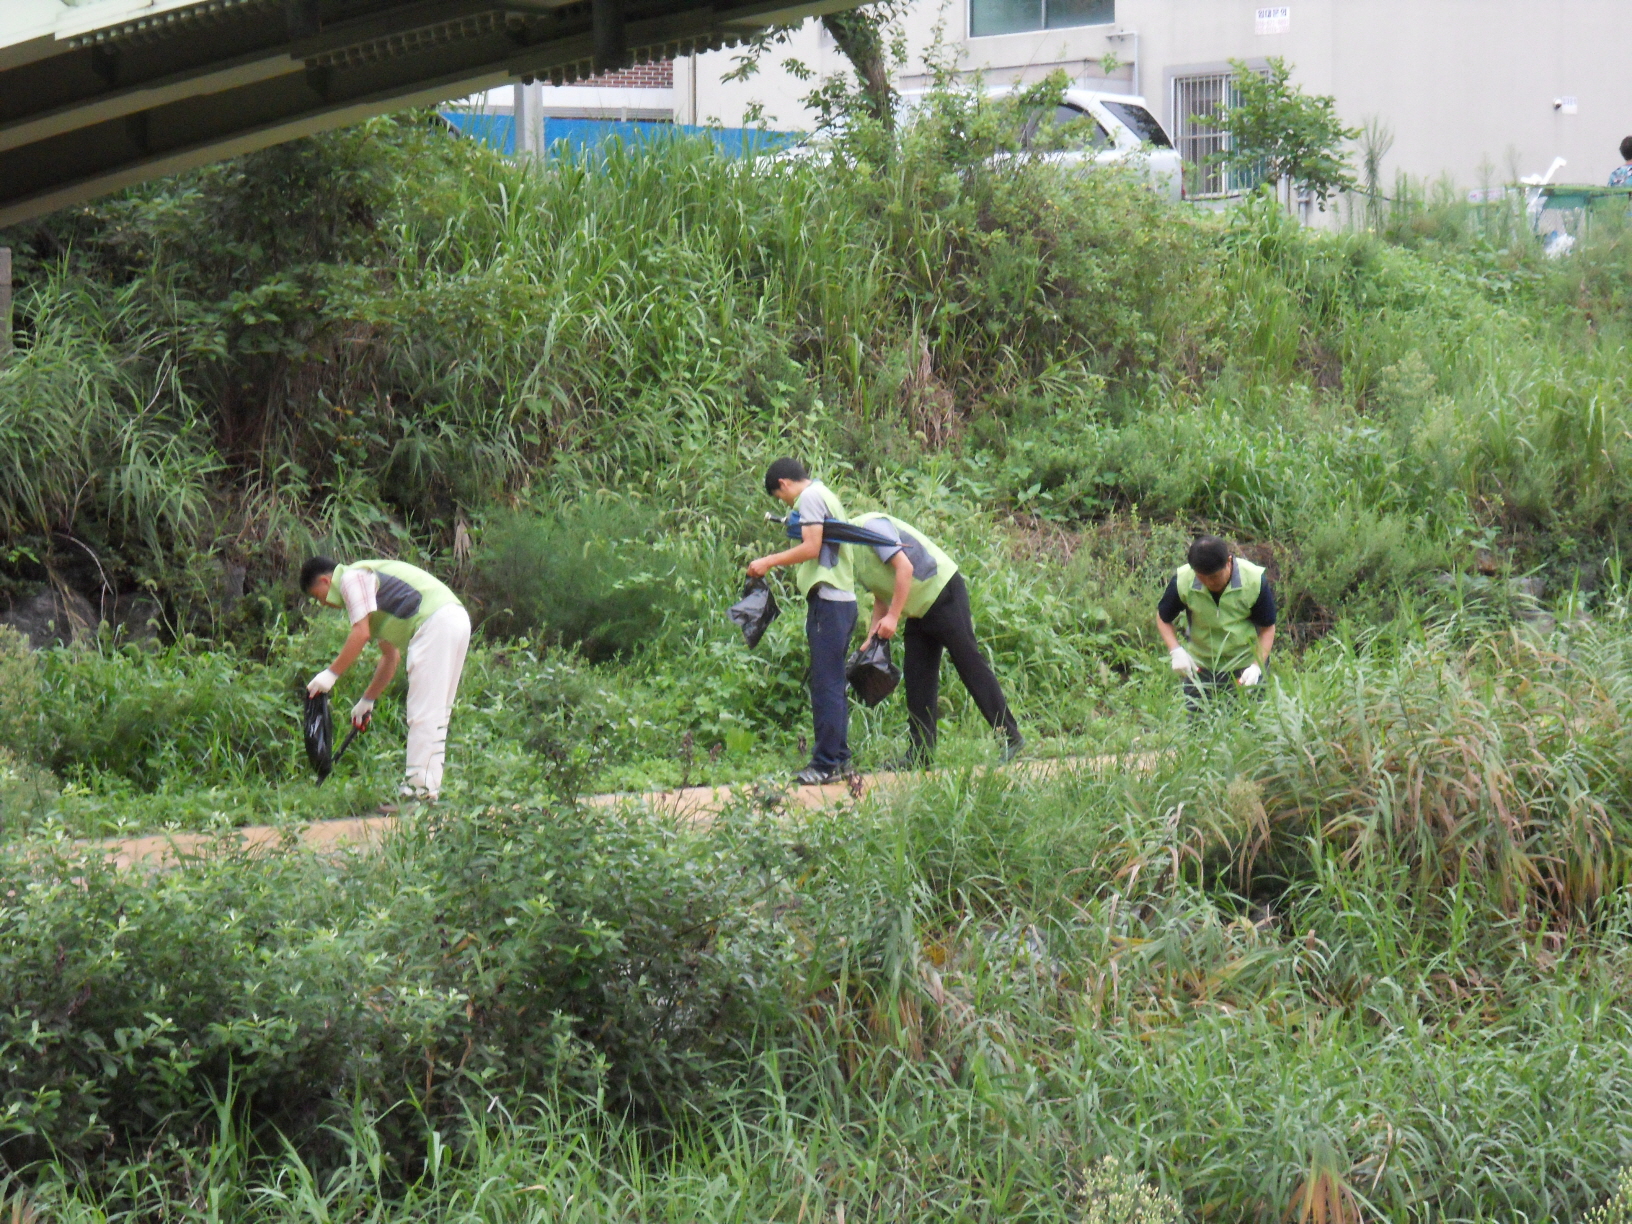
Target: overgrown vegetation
[(1356, 950)]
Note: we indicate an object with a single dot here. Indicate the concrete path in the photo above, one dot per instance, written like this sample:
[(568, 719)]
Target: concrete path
[(692, 805)]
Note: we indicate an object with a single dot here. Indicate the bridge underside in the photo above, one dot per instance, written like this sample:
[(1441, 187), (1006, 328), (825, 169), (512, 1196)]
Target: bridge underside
[(108, 94)]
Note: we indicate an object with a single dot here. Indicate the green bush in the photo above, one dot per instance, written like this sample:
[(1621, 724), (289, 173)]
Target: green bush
[(593, 575), (21, 709), (146, 717), (495, 951)]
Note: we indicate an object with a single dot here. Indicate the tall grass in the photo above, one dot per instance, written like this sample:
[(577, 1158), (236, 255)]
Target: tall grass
[(1359, 947)]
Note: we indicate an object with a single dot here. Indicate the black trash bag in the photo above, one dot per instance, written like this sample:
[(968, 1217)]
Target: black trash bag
[(871, 673), (319, 729), (755, 611)]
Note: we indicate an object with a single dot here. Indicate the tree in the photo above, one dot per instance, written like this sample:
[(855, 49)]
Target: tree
[(1280, 134), (866, 37)]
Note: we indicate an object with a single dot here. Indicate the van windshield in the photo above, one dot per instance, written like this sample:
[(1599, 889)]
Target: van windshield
[(1142, 123), (1064, 127)]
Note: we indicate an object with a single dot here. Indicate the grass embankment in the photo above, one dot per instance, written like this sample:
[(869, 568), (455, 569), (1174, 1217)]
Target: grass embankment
[(1359, 949), (1365, 941)]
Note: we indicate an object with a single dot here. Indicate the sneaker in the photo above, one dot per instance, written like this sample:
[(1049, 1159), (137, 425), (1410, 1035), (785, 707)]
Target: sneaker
[(904, 763), (1013, 748), (815, 775)]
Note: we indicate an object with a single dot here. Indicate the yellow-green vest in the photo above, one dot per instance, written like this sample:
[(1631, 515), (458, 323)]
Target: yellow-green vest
[(879, 578), (832, 565), (408, 597), (1221, 636)]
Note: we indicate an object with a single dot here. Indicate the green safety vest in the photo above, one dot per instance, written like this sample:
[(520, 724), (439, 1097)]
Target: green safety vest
[(1221, 636), (407, 598), (932, 569), (832, 565)]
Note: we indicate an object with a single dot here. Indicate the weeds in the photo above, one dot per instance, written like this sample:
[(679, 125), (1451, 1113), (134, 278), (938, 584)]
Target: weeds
[(1356, 950)]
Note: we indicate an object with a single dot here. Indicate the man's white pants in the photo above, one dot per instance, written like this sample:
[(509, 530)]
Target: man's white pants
[(436, 657)]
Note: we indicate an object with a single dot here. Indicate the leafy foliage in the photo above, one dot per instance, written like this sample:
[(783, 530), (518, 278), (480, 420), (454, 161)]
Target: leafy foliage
[(592, 576), (1279, 133), (507, 948)]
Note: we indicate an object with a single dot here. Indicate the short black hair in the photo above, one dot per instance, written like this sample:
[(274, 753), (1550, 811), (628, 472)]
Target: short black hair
[(784, 469), (314, 569), (1626, 148), (1208, 554)]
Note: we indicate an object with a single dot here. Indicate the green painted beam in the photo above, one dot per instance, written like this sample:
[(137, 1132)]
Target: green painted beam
[(104, 95)]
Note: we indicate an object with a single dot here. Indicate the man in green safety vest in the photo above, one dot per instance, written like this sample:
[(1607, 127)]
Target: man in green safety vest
[(911, 577), (1230, 612), (410, 614), (823, 575)]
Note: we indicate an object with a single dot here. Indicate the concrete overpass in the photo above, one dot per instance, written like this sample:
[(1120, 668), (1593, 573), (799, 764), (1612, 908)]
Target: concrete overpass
[(99, 94)]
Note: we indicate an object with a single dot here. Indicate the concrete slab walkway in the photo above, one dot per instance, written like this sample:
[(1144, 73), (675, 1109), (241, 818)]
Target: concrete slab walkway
[(694, 805)]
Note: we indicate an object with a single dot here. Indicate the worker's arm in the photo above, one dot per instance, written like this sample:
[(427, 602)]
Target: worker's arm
[(808, 549), (1181, 658), (355, 641), (885, 621), (390, 656), (1266, 640), (1169, 635)]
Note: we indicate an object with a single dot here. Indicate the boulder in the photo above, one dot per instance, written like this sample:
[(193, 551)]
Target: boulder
[(53, 617)]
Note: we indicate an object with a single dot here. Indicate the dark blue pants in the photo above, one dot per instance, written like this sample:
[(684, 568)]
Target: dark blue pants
[(828, 626)]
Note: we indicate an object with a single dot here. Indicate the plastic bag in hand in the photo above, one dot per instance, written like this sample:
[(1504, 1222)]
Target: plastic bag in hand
[(319, 728), (871, 673), (755, 611)]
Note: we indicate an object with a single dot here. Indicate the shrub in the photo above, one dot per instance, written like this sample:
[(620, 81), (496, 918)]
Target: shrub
[(146, 717), (20, 708), (500, 950), (587, 576)]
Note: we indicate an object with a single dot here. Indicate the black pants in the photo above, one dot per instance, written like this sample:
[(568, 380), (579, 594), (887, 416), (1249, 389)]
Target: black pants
[(1210, 686), (947, 626)]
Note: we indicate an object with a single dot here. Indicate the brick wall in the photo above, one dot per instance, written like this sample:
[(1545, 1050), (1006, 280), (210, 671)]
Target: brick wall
[(659, 75)]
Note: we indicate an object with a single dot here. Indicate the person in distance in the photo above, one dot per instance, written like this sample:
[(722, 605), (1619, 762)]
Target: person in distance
[(912, 578), (1229, 612), (823, 574), (411, 614)]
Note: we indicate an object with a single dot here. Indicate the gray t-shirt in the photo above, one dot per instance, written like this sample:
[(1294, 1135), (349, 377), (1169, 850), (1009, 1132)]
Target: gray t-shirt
[(924, 566), (813, 507)]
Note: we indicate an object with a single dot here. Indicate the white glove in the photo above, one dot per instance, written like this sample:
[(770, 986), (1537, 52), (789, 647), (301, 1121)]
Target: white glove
[(321, 683), (1251, 676), (1182, 662), (361, 713)]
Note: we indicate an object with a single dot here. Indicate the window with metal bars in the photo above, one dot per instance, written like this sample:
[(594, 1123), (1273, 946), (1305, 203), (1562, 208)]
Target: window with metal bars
[(1200, 139), (987, 17)]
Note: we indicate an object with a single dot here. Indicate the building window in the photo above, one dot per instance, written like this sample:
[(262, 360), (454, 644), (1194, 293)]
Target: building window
[(1196, 102), (988, 17)]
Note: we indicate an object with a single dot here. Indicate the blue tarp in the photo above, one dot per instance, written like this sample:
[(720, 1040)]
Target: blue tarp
[(499, 132)]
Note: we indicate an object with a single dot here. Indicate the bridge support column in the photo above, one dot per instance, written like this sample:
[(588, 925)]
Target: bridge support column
[(528, 108)]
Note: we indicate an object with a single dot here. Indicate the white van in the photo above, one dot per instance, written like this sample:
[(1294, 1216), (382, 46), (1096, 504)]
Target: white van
[(1112, 129), (1119, 130)]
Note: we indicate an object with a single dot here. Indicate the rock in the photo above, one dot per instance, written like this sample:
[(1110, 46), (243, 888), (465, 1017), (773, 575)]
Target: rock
[(136, 618), (1531, 587), (53, 618), (233, 577)]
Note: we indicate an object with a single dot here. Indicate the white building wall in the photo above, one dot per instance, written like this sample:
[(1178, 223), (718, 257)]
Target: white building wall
[(1467, 86)]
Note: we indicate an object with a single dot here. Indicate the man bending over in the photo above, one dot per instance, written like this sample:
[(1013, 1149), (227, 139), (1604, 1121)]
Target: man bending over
[(1229, 611), (410, 613), (912, 578)]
